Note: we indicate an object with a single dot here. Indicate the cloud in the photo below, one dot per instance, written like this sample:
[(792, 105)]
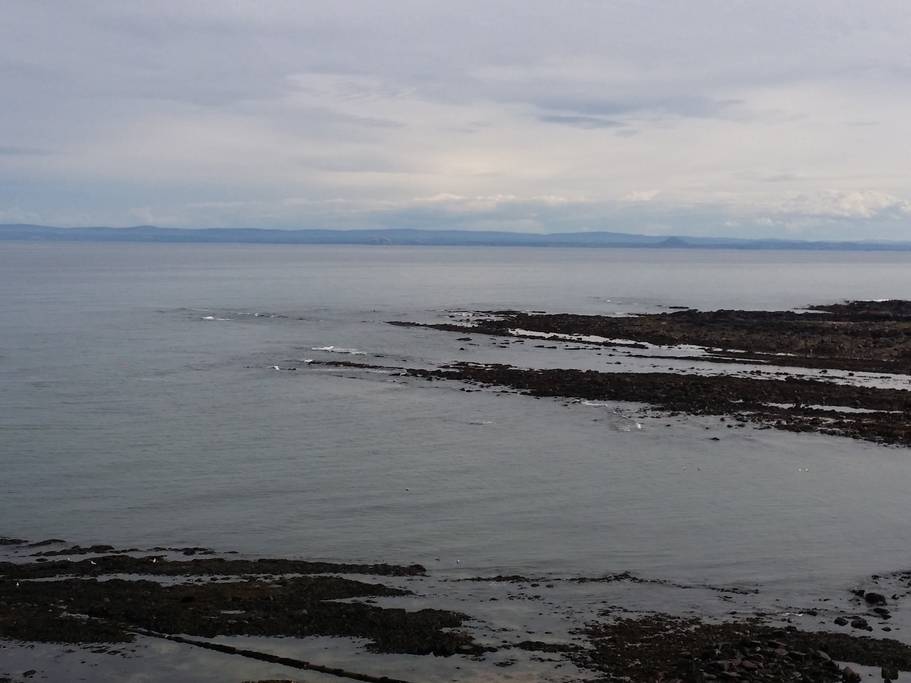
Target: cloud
[(683, 106), (587, 122), (641, 195), (747, 116), (848, 204), (780, 177)]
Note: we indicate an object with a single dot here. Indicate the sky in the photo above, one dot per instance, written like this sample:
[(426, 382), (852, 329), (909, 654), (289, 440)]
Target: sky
[(765, 118)]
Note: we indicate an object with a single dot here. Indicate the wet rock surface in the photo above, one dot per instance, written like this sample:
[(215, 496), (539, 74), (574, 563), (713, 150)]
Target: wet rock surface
[(5, 541), (618, 577), (158, 565), (665, 648), (872, 336), (67, 601), (103, 602), (789, 404), (858, 336)]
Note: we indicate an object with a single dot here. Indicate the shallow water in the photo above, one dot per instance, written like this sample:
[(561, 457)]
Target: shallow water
[(139, 406)]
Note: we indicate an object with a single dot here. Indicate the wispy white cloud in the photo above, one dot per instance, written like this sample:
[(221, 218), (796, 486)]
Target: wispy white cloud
[(641, 195), (848, 204)]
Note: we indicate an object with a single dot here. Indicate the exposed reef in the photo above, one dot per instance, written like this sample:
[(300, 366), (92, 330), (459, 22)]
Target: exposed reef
[(798, 405), (858, 336), (158, 565), (873, 336), (881, 415), (89, 600), (103, 600), (660, 647)]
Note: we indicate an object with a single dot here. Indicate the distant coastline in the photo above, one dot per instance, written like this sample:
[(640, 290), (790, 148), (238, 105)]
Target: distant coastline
[(417, 237)]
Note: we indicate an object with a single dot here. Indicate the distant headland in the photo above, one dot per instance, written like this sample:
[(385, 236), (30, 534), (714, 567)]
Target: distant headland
[(417, 237)]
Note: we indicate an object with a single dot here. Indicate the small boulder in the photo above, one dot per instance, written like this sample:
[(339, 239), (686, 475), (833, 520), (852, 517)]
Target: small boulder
[(849, 675), (889, 673), (875, 598)]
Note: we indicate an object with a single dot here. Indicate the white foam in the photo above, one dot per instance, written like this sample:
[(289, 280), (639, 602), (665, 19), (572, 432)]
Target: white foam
[(338, 349), (684, 349), (837, 409), (591, 338)]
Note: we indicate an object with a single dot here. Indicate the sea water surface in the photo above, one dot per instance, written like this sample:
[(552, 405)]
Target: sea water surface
[(139, 405)]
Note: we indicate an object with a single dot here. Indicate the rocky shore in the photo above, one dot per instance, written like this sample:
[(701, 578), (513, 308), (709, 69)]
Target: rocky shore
[(880, 415), (874, 414), (871, 336), (854, 337), (98, 597), (67, 601), (688, 650), (116, 596)]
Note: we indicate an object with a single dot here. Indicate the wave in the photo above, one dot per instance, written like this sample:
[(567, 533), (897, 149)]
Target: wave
[(339, 349)]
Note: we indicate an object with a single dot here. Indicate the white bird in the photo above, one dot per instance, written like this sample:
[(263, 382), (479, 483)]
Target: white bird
[(275, 367)]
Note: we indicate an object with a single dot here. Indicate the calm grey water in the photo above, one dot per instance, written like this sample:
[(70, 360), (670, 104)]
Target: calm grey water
[(138, 406)]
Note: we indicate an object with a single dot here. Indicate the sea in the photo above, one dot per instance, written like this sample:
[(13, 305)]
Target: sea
[(140, 405)]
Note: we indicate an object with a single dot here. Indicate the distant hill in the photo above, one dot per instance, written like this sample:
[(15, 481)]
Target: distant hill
[(405, 237)]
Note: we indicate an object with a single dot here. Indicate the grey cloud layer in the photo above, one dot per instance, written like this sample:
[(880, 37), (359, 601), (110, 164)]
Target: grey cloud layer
[(703, 116)]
